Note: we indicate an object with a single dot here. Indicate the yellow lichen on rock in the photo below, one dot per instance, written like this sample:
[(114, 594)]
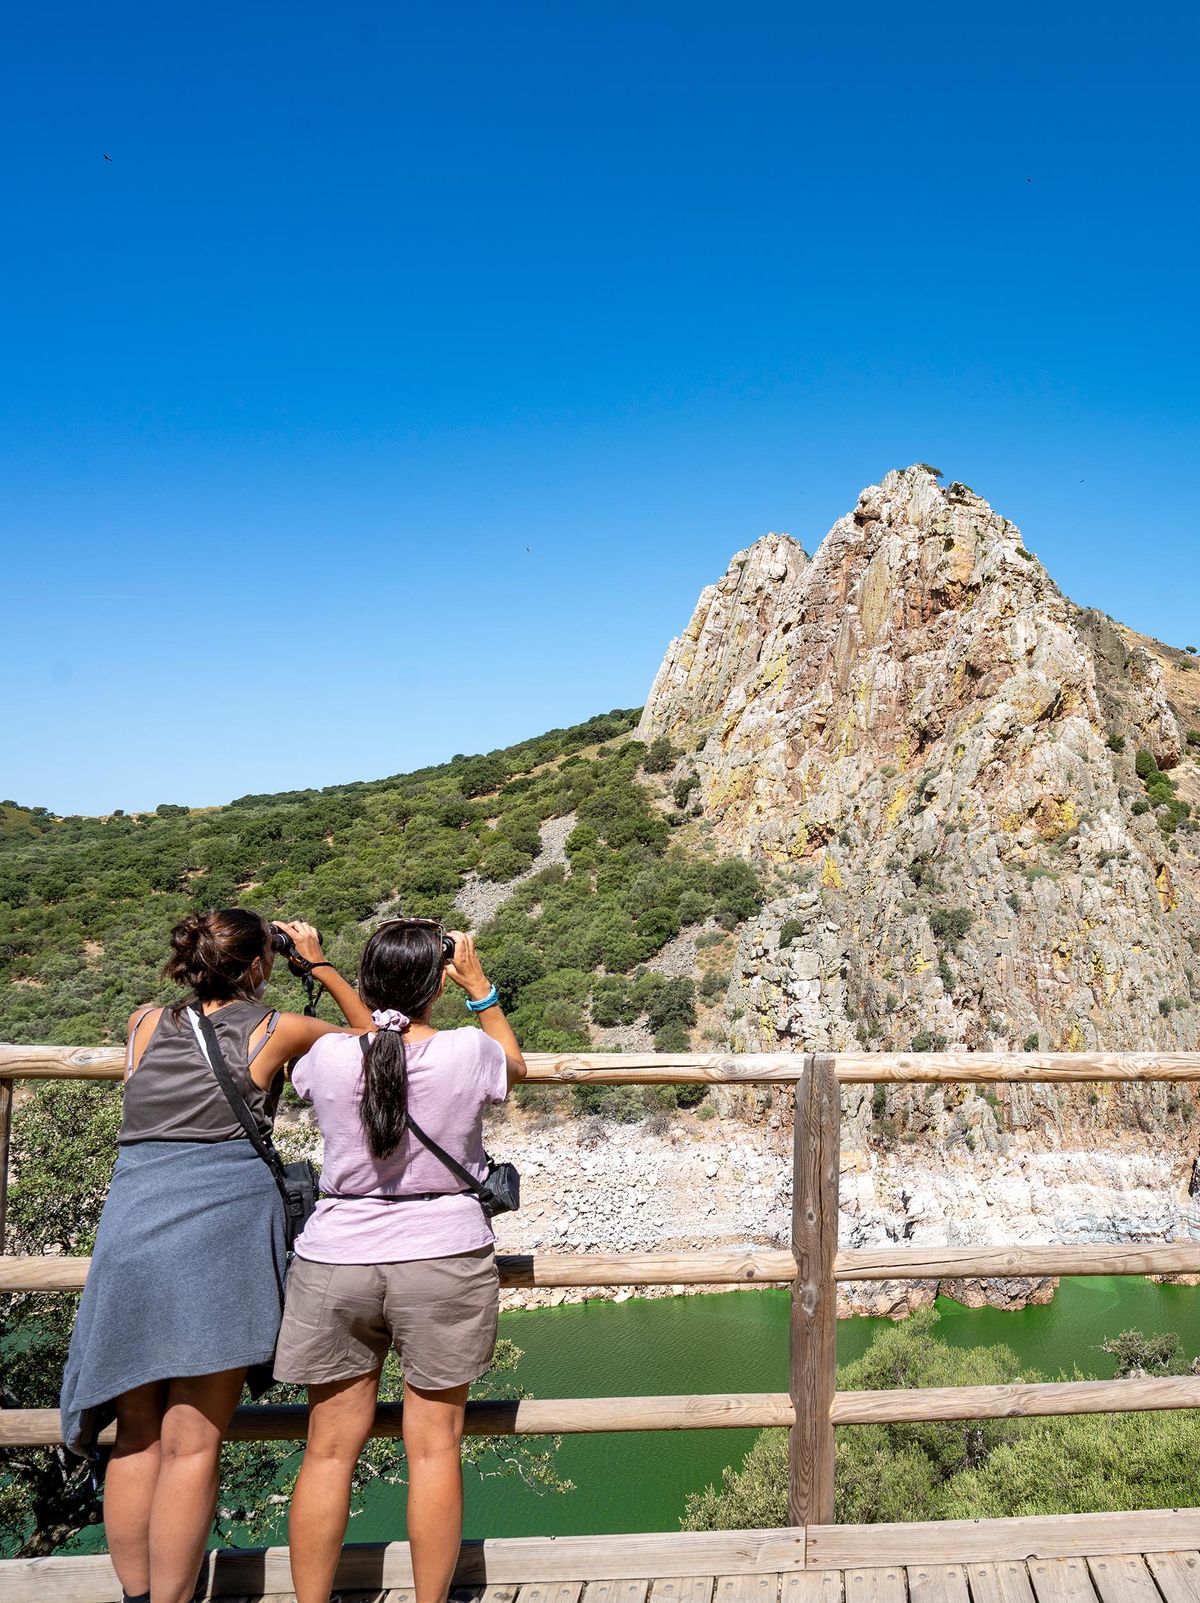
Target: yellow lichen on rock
[(831, 874), (896, 806)]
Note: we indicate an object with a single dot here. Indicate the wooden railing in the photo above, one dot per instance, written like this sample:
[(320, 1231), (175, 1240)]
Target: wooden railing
[(812, 1406)]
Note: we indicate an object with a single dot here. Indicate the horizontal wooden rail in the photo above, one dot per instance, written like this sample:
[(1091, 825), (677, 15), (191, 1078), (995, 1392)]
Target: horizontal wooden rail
[(706, 1068), (761, 1267), (528, 1416), (1017, 1400), (571, 1416)]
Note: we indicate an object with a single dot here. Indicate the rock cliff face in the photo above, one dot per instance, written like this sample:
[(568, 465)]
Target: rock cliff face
[(972, 797), (919, 726)]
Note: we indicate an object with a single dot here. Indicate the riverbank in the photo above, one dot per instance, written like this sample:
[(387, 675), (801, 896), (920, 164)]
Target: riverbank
[(695, 1183), (721, 1177)]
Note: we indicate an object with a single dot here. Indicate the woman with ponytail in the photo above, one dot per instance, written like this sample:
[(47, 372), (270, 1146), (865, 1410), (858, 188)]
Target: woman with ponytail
[(185, 1292), (400, 1254)]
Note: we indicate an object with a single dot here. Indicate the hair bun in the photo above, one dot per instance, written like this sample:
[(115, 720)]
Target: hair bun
[(212, 953)]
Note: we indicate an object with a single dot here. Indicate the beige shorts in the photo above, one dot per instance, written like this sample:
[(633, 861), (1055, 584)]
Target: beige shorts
[(438, 1313)]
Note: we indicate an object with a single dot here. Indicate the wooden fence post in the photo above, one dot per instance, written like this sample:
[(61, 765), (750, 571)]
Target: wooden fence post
[(6, 1101), (813, 1354)]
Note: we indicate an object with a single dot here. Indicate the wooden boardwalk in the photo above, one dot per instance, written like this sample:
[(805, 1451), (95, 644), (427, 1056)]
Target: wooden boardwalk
[(1125, 1578)]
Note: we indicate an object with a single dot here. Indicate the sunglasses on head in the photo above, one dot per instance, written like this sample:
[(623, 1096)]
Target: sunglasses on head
[(425, 924)]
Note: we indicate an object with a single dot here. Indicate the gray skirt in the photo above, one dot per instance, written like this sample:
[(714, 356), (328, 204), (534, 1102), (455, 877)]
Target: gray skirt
[(186, 1279)]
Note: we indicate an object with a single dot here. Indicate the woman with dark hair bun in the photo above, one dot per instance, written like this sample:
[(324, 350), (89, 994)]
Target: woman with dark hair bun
[(185, 1292), (401, 1253)]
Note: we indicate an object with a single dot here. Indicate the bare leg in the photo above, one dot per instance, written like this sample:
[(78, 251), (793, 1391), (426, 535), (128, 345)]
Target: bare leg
[(185, 1495), (433, 1428), (340, 1416), (129, 1483)]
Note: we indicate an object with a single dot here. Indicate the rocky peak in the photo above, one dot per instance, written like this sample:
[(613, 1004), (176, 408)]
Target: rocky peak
[(735, 622), (917, 726)]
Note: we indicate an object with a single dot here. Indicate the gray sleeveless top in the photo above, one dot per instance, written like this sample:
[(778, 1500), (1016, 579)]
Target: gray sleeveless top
[(173, 1095)]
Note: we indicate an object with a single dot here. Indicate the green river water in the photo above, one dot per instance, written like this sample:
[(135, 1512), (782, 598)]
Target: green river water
[(734, 1341)]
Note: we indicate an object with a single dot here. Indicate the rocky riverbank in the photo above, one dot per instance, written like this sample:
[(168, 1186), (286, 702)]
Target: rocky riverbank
[(723, 1182), (696, 1182)]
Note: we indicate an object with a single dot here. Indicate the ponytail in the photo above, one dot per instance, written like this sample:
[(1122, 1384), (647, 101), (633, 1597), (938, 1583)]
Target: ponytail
[(384, 1105), (399, 978)]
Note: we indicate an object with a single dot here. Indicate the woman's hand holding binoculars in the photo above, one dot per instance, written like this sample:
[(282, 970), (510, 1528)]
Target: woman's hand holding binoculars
[(305, 941), (465, 969)]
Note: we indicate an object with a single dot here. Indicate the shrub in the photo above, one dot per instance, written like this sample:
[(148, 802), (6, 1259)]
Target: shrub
[(715, 983), (884, 1473), (950, 924), (479, 775), (673, 1003), (1115, 742), (673, 1037), (613, 1001), (660, 755), (928, 1041), (737, 891), (512, 967), (684, 788), (792, 929), (503, 861), (623, 1104), (1032, 1041)]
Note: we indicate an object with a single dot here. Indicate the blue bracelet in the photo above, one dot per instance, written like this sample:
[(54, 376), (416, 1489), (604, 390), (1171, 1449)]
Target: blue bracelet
[(484, 1002)]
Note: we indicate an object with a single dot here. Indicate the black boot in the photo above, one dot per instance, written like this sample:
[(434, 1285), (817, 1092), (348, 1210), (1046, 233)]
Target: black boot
[(141, 1597)]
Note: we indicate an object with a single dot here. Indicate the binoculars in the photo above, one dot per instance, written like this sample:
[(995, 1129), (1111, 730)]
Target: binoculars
[(283, 943)]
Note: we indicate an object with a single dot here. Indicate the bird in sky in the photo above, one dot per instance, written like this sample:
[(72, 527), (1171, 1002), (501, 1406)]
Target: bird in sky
[(106, 155)]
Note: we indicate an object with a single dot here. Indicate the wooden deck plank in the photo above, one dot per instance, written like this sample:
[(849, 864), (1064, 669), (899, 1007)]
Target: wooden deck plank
[(1061, 1580), (885, 1584), (746, 1589), (550, 1592), (1123, 1578), (682, 1589), (831, 1547), (1177, 1574), (937, 1583), (812, 1586), (1005, 1582), (259, 1572), (616, 1591)]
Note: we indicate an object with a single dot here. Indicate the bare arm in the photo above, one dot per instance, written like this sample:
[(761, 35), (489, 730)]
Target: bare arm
[(295, 1033), (467, 971), (308, 945)]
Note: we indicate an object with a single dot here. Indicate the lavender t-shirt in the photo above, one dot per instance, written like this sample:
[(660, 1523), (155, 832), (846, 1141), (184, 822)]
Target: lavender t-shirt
[(452, 1077)]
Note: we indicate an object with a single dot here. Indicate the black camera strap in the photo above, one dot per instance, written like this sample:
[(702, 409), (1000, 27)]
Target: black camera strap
[(210, 1047)]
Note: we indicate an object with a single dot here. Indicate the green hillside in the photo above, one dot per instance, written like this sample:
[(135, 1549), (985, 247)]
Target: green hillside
[(86, 903)]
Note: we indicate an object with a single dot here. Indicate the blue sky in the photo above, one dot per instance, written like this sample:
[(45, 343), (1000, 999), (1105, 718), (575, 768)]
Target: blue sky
[(401, 379)]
